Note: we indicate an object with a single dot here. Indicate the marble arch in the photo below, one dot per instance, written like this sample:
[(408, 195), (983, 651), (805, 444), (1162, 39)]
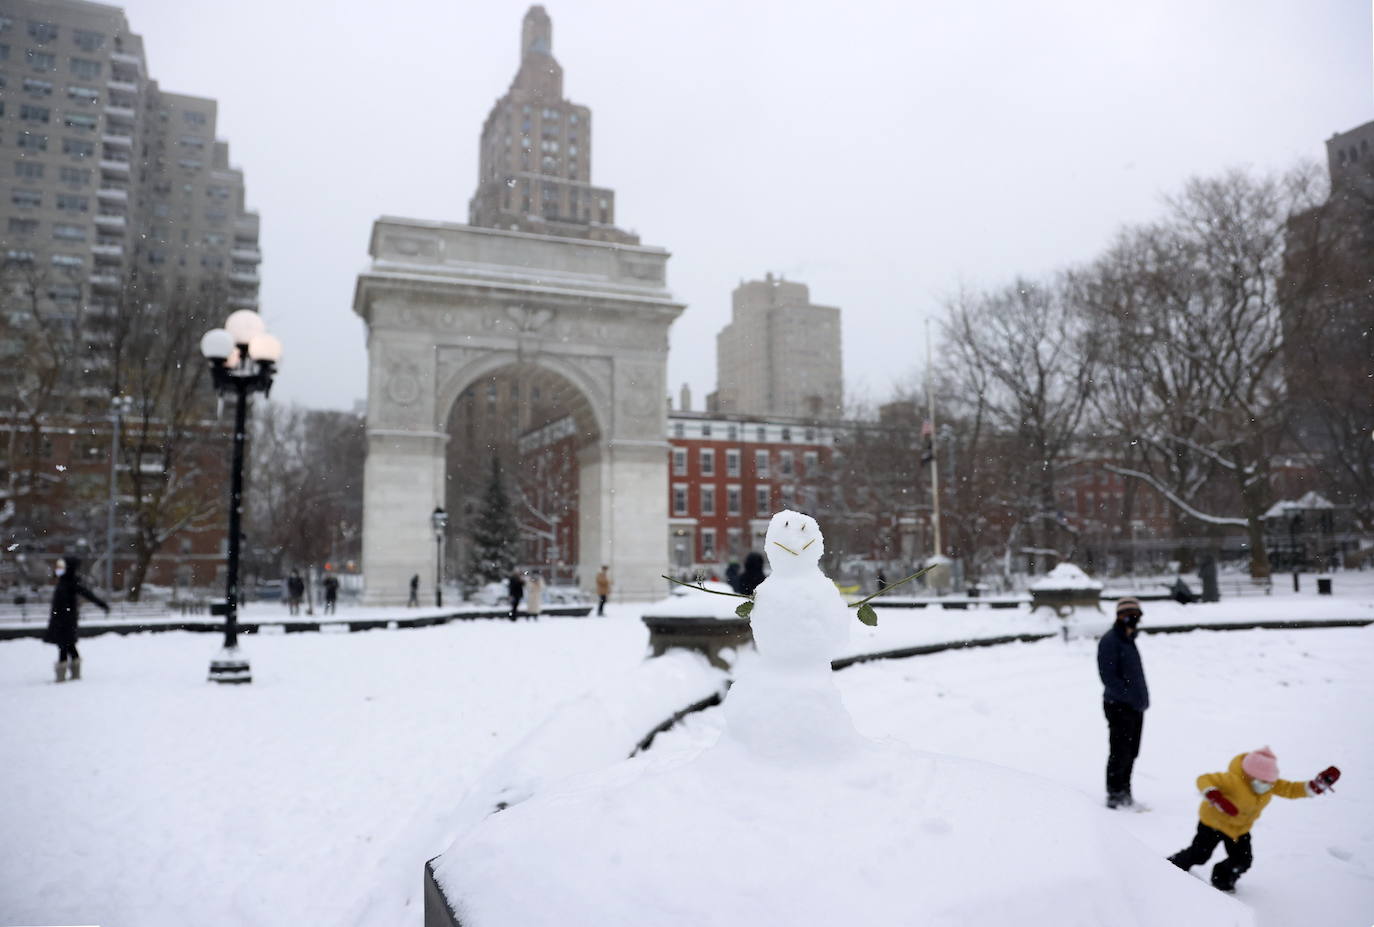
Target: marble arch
[(446, 304)]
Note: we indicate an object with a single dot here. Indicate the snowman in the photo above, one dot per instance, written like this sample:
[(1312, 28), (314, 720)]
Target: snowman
[(784, 706), (799, 619)]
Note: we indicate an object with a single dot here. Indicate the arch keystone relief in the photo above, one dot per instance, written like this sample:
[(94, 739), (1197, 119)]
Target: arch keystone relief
[(449, 309)]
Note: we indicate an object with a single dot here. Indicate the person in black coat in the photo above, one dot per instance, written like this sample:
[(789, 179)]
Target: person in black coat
[(516, 587), (753, 573), (66, 612), (1125, 696)]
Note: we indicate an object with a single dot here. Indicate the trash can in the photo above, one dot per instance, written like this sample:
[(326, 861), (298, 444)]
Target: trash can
[(1323, 585)]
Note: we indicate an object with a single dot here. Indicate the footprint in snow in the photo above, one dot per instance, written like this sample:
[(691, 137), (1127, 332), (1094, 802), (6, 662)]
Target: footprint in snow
[(1341, 853)]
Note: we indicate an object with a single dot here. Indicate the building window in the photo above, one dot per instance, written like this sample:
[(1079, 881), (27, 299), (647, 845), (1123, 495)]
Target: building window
[(679, 499), (38, 87), (31, 169), (812, 461), (31, 141), (41, 61), (732, 500), (70, 202), (42, 32), (75, 176), (69, 232), (706, 429), (85, 68), (22, 226), (732, 462), (77, 148), (679, 461), (789, 497), (194, 118), (786, 433), (708, 544), (810, 435), (732, 432), (87, 40), (734, 542), (26, 198), (785, 463), (708, 462), (677, 430), (82, 94), (761, 506), (708, 500), (31, 113), (67, 260), (761, 463), (761, 434), (78, 121)]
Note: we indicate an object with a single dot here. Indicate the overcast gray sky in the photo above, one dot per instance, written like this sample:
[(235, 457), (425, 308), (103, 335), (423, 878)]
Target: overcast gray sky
[(885, 153)]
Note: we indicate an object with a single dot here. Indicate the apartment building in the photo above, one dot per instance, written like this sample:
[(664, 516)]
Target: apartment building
[(104, 171), (780, 355)]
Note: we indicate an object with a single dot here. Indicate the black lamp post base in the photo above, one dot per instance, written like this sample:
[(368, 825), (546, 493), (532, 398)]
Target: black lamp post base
[(230, 667)]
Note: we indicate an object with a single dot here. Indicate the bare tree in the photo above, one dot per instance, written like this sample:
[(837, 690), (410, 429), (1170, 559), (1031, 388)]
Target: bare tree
[(1024, 362), (1191, 311), (172, 451)]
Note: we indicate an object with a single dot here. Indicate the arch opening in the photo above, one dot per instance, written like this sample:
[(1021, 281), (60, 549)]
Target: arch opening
[(539, 433)]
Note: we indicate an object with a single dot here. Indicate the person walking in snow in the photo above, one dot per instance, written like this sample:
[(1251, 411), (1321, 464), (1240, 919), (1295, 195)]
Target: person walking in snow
[(534, 602), (1125, 697), (65, 615), (1232, 802), (603, 589), (331, 593), (295, 589), (515, 586), (414, 600)]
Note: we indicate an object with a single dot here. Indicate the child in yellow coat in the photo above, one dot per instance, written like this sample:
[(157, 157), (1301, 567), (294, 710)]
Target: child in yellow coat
[(1232, 802)]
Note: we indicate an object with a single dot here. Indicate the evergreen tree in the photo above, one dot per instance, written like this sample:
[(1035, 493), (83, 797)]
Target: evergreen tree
[(494, 534)]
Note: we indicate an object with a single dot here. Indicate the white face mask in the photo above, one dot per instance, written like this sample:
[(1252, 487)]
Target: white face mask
[(1260, 786)]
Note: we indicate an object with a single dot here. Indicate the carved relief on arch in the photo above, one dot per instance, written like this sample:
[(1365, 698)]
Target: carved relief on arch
[(400, 387)]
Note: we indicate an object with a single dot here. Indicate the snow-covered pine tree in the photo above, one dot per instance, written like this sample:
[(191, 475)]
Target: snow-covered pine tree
[(493, 533)]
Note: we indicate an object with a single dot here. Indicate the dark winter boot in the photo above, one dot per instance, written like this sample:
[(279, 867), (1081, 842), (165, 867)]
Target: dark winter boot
[(1224, 878), (76, 668), (1177, 860), (60, 667), (1119, 800)]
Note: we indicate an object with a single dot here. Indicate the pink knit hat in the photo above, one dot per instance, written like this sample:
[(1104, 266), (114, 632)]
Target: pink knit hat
[(1261, 764)]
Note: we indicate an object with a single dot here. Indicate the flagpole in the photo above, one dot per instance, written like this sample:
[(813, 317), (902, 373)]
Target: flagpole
[(934, 456)]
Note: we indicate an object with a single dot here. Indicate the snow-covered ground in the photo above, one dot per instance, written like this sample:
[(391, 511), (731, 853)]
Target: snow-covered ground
[(143, 796), (1037, 707)]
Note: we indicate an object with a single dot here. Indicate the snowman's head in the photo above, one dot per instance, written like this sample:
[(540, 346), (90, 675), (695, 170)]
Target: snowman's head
[(793, 541)]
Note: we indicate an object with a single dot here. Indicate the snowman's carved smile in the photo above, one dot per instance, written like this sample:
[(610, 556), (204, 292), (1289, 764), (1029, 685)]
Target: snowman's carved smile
[(790, 550)]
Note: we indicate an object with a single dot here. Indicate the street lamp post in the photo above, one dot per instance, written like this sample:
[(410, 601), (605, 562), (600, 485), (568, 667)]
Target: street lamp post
[(119, 407), (243, 358), (439, 519)]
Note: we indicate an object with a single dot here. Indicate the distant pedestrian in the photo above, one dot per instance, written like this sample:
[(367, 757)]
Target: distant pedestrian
[(331, 593), (534, 600), (603, 589), (882, 581), (753, 573), (65, 614), (732, 575), (515, 586), (1232, 803), (414, 600), (295, 591), (1124, 699)]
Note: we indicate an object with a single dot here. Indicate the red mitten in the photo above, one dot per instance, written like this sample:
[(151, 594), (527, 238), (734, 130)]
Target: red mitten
[(1324, 780), (1220, 801)]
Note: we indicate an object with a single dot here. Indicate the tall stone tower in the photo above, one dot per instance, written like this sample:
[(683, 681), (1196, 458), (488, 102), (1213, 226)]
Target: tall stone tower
[(780, 354), (535, 165)]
